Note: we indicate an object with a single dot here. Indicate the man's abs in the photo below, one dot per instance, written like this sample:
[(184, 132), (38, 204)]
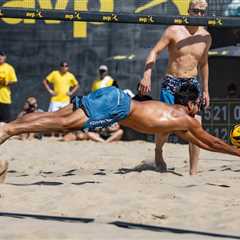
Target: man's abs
[(183, 67)]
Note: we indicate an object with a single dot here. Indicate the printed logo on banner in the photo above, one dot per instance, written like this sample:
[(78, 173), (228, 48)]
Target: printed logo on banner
[(80, 28)]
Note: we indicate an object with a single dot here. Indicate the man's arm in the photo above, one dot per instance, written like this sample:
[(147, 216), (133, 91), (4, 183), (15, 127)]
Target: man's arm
[(10, 78), (45, 83), (145, 84), (188, 137), (213, 143), (204, 72), (74, 85), (73, 90)]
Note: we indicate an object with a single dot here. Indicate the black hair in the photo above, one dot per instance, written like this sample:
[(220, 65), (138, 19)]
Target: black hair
[(62, 63), (141, 98), (2, 53), (186, 93)]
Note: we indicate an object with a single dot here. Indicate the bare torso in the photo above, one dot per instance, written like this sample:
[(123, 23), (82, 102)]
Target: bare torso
[(153, 117), (186, 51)]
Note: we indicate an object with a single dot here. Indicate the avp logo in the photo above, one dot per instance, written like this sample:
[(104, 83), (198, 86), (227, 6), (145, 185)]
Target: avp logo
[(80, 28)]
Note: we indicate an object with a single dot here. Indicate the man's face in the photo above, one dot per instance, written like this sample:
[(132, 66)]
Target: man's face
[(194, 106), (2, 59), (197, 9), (30, 105), (102, 72), (64, 68)]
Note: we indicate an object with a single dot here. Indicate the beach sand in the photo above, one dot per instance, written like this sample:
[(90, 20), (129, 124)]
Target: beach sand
[(53, 188)]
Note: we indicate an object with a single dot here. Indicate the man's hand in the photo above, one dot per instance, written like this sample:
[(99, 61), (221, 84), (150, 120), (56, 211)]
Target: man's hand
[(3, 81), (145, 84), (52, 92), (206, 99)]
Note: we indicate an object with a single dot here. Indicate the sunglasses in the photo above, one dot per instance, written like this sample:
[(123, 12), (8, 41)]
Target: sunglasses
[(197, 11)]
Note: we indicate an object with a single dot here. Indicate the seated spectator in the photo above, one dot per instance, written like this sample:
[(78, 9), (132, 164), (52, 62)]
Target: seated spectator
[(109, 134), (75, 136), (29, 106)]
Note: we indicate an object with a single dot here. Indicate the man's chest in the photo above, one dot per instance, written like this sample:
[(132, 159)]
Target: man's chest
[(3, 71), (191, 45), (61, 81)]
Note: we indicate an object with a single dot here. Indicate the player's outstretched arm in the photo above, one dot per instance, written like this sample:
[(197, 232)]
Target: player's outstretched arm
[(213, 143), (188, 137)]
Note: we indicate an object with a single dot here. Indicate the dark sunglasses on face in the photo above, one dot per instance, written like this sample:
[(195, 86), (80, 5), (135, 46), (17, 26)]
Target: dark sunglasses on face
[(197, 11)]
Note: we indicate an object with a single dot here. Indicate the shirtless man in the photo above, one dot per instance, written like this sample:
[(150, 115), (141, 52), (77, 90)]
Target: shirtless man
[(109, 105), (188, 55)]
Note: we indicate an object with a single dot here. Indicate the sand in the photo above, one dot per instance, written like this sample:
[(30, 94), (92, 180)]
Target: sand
[(106, 183)]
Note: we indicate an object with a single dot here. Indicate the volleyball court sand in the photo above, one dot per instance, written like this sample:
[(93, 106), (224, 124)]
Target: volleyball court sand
[(106, 183)]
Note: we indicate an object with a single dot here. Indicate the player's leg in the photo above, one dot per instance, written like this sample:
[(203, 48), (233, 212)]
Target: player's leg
[(73, 121), (63, 112), (166, 96), (160, 139), (194, 153)]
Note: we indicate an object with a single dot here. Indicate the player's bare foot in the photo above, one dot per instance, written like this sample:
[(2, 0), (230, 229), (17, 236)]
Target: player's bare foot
[(3, 170), (193, 172)]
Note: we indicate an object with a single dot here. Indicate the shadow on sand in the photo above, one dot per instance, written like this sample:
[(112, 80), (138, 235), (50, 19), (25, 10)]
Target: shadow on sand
[(145, 167), (46, 217), (170, 230), (120, 224)]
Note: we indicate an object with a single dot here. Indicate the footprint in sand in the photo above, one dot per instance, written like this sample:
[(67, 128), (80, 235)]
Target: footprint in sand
[(3, 170)]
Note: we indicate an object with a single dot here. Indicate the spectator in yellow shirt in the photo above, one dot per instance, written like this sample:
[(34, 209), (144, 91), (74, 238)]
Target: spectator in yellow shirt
[(7, 77), (63, 85), (105, 80)]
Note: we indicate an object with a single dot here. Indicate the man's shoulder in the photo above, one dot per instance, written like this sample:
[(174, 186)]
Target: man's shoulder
[(9, 66), (174, 30), (71, 74), (54, 72), (204, 31)]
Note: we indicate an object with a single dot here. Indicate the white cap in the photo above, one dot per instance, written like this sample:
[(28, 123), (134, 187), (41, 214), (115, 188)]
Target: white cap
[(103, 67)]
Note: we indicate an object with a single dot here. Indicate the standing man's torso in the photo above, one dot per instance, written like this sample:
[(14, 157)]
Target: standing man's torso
[(186, 51), (61, 85), (8, 75)]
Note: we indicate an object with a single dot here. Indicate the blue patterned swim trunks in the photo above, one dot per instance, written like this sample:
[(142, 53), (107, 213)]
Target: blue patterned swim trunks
[(171, 85), (103, 107)]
